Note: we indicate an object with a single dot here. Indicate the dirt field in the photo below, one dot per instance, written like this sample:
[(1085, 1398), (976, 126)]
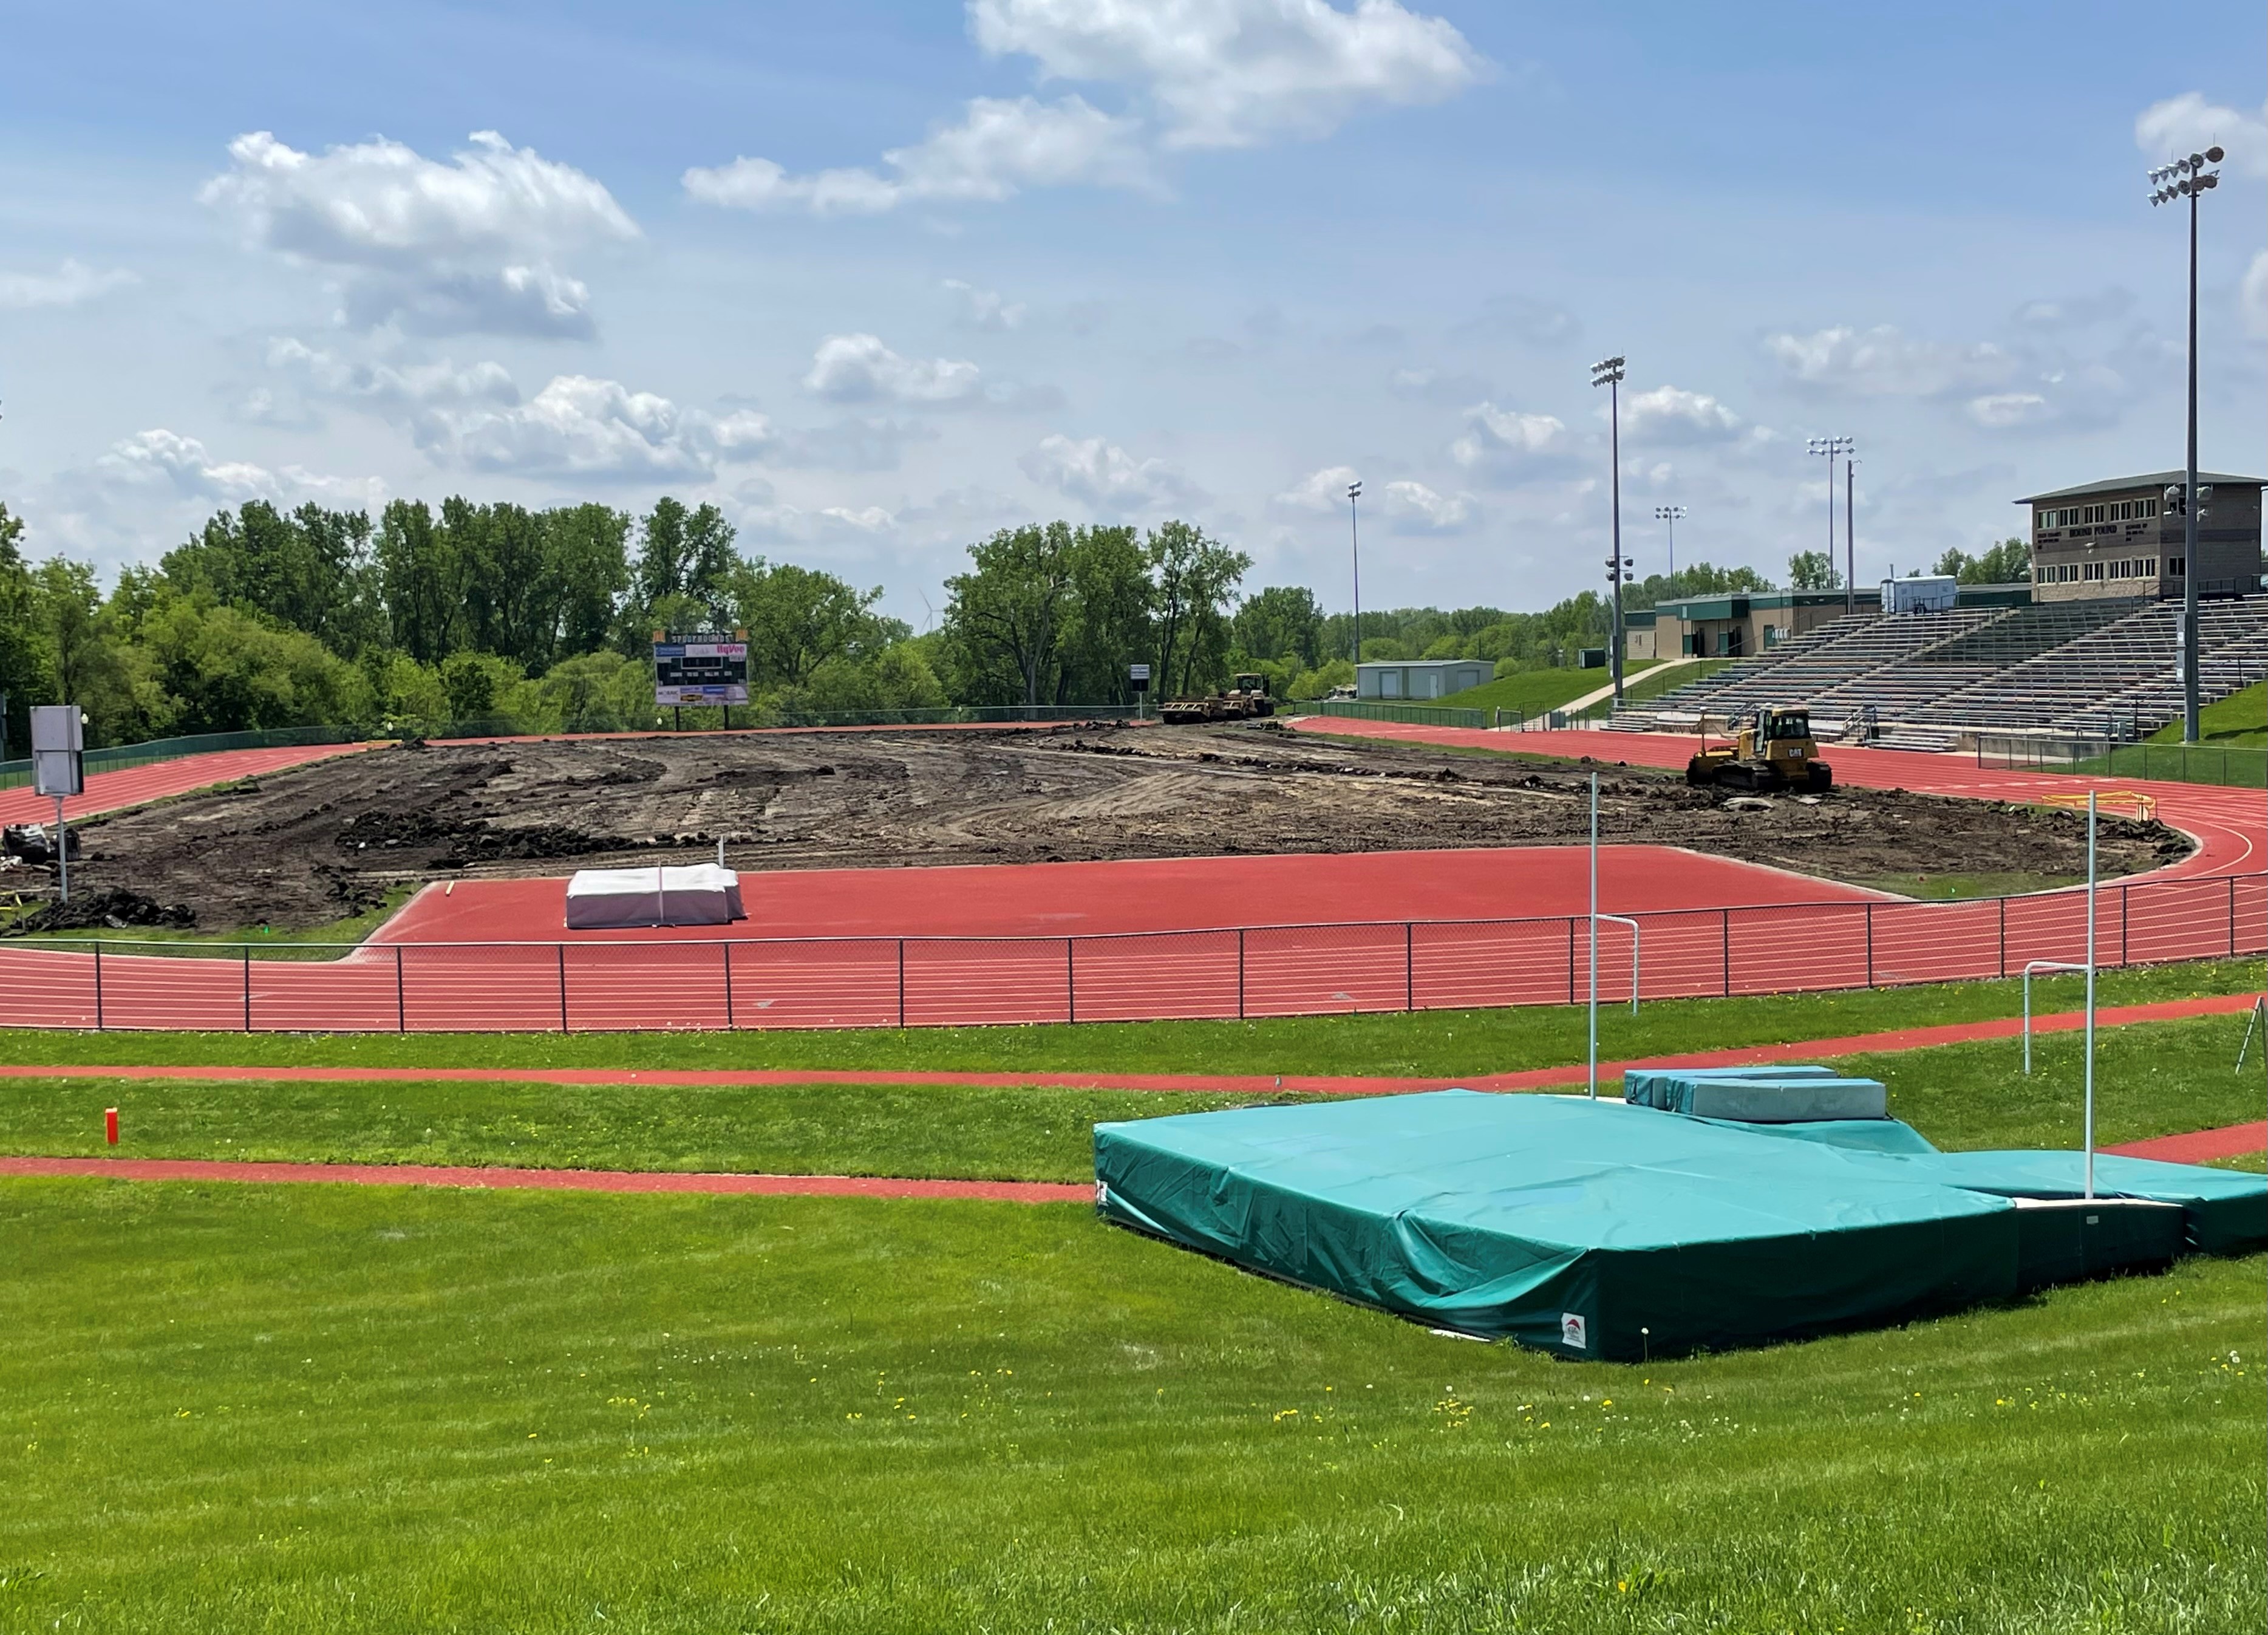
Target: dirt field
[(314, 843)]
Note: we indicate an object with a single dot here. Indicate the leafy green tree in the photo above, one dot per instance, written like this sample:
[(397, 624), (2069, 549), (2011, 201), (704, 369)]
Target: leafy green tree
[(1282, 622), (68, 604), (311, 569), (1108, 625), (421, 581), (683, 554), (2008, 563), (1814, 570), (586, 550), (1004, 619), (800, 618), (1193, 589), (223, 670), (27, 671), (476, 683)]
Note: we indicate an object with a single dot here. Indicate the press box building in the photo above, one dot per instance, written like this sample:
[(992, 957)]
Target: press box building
[(2119, 540)]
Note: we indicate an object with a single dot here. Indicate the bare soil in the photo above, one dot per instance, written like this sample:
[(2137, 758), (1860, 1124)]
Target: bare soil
[(313, 845)]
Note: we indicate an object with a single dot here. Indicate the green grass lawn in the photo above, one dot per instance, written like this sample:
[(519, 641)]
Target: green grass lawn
[(2239, 721), (1956, 888), (333, 1408), (1425, 1044), (1535, 691), (2152, 1079)]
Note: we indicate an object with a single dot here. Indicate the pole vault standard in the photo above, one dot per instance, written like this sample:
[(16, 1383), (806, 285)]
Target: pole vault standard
[(2090, 994), (1596, 917)]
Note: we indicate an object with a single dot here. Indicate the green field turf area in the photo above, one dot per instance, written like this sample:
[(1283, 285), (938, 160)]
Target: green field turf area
[(1535, 691), (1424, 1043), (374, 1410), (2238, 721), (2152, 1079)]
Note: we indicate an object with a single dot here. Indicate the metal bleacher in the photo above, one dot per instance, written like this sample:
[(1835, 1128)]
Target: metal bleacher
[(2102, 668)]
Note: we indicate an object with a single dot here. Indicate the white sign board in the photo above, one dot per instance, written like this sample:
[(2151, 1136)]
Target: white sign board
[(57, 739)]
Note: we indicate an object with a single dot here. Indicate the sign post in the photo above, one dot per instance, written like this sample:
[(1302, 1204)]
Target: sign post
[(1138, 676), (58, 769)]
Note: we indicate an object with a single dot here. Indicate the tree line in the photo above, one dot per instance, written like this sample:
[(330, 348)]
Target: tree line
[(425, 617)]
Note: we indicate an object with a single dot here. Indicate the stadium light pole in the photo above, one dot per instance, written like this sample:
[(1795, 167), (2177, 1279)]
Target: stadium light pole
[(1849, 529), (1608, 372), (1673, 515), (1354, 539), (2189, 179), (1833, 448), (2090, 994)]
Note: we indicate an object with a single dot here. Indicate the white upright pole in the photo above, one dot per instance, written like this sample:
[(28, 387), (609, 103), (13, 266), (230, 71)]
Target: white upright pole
[(2090, 994), (1594, 936), (62, 854)]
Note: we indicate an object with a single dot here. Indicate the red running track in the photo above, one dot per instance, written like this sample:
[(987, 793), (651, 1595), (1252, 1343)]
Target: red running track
[(1146, 895), (136, 786), (548, 1180), (2199, 1147), (1283, 970)]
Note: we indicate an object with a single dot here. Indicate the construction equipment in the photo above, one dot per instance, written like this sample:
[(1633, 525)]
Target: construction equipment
[(1771, 749), (1243, 702)]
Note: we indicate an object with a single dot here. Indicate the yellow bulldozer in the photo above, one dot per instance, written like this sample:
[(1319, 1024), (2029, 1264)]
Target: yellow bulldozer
[(1243, 702), (1771, 749)]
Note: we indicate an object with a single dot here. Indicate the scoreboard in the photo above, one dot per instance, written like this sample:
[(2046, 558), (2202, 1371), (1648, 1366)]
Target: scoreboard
[(701, 667)]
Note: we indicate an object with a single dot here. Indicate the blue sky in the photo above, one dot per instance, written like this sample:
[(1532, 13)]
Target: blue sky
[(878, 279)]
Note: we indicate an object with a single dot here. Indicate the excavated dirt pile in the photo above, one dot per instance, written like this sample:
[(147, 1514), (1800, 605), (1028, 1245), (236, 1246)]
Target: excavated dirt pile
[(310, 845)]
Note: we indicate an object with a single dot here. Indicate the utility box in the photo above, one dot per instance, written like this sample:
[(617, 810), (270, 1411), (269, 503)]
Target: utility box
[(58, 743), (1933, 594)]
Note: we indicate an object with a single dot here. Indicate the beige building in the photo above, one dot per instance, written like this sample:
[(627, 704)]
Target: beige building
[(2119, 539)]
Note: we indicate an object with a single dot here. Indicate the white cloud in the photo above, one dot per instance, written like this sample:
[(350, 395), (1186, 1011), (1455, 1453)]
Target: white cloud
[(2253, 298), (415, 385), (1203, 74), (998, 149), (859, 369), (1669, 415), (1882, 362), (434, 247), (581, 426), (986, 309), (865, 519), (1106, 476), (1417, 509), (1231, 73), (2000, 411), (2187, 124), (167, 460), (1507, 442), (69, 284), (1321, 490)]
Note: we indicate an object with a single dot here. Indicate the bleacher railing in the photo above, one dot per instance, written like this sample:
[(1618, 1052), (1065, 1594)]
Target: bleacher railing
[(1248, 971), (2235, 767)]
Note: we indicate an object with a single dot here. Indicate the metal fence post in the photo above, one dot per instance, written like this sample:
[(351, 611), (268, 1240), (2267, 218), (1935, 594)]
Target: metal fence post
[(561, 948), (2125, 889), (97, 985), (902, 982), (2232, 916), (728, 971), (1410, 961), (1240, 973), (2003, 902), (401, 999), (1870, 945), (247, 987), (1570, 959), (1071, 984), (1725, 916)]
